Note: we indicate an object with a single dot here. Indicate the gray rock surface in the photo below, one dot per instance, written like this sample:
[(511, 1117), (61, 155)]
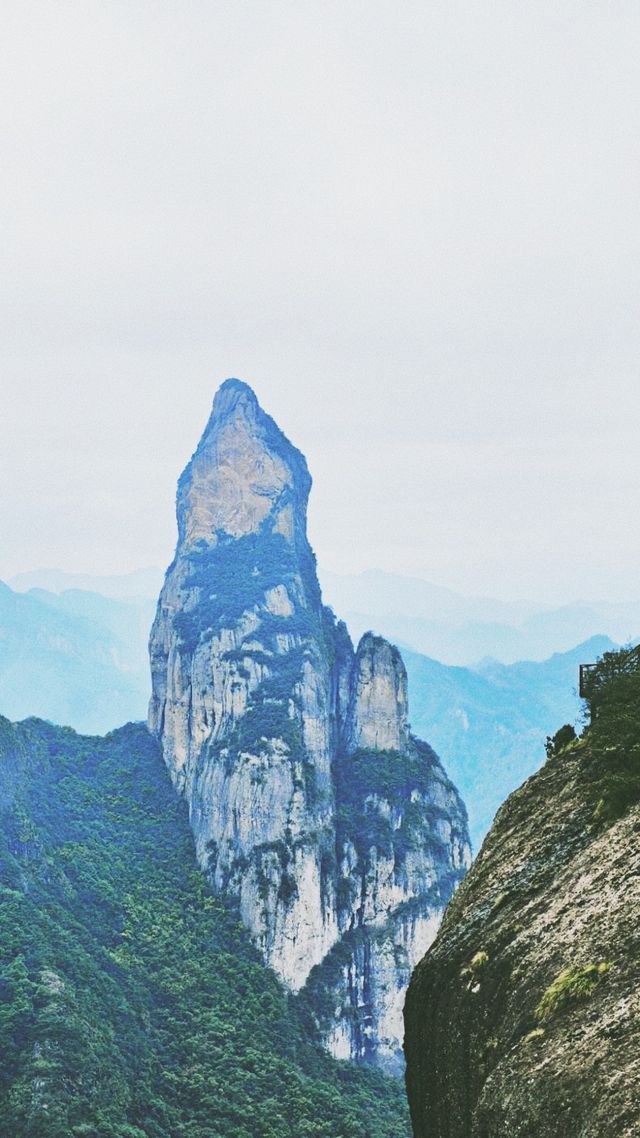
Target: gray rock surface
[(377, 710), (523, 1019), (340, 835)]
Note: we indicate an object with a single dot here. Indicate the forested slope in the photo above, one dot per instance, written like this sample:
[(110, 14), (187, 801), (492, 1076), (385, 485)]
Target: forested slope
[(132, 1003)]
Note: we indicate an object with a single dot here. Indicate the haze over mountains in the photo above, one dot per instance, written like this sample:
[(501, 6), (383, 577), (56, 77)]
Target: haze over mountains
[(139, 584), (428, 618), (78, 655), (314, 807), (491, 722), (456, 629), (76, 658)]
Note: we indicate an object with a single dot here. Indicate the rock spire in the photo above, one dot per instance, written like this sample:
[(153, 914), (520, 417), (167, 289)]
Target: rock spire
[(340, 835)]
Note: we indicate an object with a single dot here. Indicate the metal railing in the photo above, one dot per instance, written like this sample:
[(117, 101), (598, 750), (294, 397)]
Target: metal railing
[(624, 661), (585, 671)]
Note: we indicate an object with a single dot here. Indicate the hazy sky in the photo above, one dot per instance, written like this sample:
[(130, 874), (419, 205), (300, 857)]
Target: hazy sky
[(412, 227)]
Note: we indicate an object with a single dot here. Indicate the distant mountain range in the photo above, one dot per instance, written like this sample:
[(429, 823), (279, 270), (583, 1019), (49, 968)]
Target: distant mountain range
[(489, 724), (75, 658), (464, 630), (80, 658), (140, 584), (428, 618)]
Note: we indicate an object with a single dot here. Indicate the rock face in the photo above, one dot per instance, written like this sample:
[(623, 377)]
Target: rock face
[(340, 835), (524, 1017), (377, 708)]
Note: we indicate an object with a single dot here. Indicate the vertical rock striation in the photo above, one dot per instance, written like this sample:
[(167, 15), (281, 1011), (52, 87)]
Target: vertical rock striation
[(309, 800), (377, 707)]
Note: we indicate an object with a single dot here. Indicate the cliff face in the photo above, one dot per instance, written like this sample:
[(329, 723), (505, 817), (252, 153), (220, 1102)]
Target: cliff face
[(307, 797), (524, 1017)]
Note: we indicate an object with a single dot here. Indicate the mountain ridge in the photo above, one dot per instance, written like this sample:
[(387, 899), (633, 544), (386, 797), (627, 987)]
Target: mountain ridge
[(461, 630)]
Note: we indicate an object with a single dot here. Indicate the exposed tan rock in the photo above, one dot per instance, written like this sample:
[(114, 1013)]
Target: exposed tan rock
[(234, 480)]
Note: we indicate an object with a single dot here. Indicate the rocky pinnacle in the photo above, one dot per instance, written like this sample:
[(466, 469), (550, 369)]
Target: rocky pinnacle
[(338, 833)]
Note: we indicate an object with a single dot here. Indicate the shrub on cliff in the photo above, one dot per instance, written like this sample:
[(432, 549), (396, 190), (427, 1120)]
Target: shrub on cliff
[(562, 738), (575, 983)]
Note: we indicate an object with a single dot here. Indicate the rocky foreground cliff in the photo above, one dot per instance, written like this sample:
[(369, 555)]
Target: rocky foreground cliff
[(310, 801), (523, 1020)]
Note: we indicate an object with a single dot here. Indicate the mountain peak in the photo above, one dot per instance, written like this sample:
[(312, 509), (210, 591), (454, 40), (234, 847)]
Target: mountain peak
[(244, 469), (231, 394)]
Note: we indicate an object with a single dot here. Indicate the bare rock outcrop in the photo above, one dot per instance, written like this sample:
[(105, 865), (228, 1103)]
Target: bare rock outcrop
[(523, 1019), (339, 834), (378, 703)]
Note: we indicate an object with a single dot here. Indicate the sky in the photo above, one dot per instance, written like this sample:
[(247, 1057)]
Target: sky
[(412, 227)]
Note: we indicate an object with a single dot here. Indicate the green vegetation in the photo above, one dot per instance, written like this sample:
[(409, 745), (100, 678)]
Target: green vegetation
[(613, 734), (132, 1003), (232, 577), (573, 984), (375, 791), (476, 965), (365, 776), (317, 1001), (605, 676), (611, 739), (560, 741), (269, 711), (472, 971), (501, 900)]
